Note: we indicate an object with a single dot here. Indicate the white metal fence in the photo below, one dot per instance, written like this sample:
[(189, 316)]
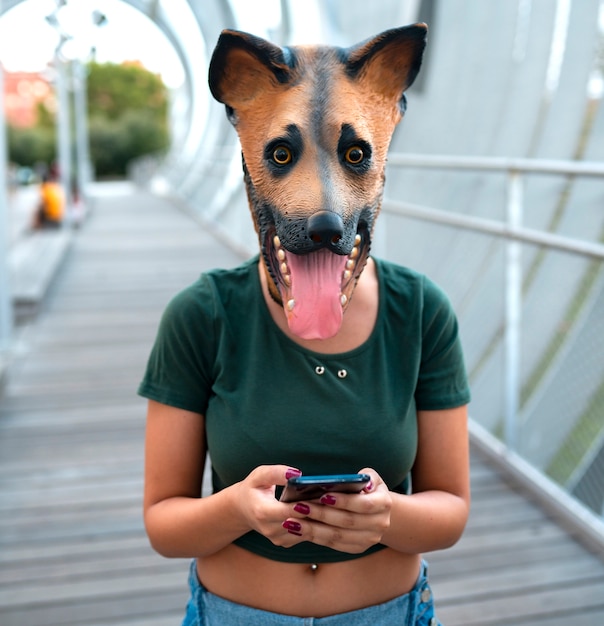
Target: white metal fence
[(566, 464)]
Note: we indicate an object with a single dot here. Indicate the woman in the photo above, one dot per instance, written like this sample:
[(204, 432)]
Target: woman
[(241, 370)]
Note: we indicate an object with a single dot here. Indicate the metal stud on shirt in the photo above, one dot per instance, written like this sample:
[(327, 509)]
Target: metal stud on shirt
[(320, 370)]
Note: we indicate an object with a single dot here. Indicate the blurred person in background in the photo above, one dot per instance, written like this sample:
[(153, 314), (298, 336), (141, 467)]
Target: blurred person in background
[(51, 207)]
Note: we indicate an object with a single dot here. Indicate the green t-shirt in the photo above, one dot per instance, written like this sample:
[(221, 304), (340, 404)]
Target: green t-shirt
[(267, 400)]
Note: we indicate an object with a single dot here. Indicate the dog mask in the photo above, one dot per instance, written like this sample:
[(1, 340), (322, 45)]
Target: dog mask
[(315, 124)]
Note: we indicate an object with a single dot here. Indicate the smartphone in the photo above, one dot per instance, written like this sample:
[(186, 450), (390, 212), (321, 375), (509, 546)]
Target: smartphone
[(313, 487)]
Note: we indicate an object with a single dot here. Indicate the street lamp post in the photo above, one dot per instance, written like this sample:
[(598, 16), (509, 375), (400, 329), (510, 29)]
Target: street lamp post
[(83, 173), (71, 77), (63, 130)]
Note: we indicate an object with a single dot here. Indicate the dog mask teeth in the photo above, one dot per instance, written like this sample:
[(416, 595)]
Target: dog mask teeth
[(306, 289)]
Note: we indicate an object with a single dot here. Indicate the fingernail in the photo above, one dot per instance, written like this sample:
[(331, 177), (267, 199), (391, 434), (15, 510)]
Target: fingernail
[(292, 473), (369, 486), (328, 499), (292, 527), (302, 508)]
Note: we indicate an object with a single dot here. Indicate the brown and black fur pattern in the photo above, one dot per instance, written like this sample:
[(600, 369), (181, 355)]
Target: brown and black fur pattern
[(315, 124)]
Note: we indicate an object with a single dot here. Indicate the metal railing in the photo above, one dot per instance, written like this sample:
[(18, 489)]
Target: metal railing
[(515, 168), (512, 231)]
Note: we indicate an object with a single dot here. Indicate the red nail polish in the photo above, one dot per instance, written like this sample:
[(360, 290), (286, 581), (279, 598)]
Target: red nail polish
[(328, 499), (302, 508), (292, 473), (369, 486), (293, 527)]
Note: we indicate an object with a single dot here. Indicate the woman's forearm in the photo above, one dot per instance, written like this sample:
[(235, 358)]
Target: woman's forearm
[(426, 521), (182, 527)]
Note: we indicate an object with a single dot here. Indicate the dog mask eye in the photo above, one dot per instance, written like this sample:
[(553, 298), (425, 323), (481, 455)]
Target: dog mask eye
[(354, 155), (282, 155)]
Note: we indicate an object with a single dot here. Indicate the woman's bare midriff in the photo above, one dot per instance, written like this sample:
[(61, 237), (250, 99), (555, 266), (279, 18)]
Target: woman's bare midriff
[(297, 589)]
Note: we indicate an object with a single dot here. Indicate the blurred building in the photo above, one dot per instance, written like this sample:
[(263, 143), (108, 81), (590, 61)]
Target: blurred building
[(24, 92)]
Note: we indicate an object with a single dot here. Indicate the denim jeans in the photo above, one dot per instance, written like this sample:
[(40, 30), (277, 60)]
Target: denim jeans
[(415, 608)]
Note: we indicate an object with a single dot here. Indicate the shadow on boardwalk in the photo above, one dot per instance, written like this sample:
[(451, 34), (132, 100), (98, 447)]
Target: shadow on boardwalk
[(72, 545)]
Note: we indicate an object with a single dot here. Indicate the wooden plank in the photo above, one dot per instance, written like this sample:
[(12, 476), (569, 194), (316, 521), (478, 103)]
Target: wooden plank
[(34, 261), (92, 548), (586, 617), (531, 603), (111, 610), (506, 582)]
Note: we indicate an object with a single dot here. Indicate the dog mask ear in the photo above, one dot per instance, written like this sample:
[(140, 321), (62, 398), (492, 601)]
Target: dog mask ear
[(390, 61), (244, 66)]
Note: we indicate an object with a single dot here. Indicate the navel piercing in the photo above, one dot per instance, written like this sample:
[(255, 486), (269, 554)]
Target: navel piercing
[(314, 567)]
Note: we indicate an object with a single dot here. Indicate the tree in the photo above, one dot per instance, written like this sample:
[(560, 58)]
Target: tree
[(30, 146), (128, 112), (114, 89), (128, 118)]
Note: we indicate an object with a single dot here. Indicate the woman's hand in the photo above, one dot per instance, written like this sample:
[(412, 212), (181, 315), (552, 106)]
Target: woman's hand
[(255, 500), (347, 522)]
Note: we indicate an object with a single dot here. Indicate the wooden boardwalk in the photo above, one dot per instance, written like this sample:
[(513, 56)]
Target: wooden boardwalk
[(72, 545)]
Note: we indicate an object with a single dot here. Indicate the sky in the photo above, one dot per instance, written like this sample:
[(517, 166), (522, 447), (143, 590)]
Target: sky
[(114, 42)]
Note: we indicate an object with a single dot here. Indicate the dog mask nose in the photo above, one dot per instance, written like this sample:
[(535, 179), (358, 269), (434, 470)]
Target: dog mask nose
[(325, 230)]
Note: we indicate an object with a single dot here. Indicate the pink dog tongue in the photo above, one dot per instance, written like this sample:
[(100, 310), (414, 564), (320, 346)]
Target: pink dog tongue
[(316, 290)]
